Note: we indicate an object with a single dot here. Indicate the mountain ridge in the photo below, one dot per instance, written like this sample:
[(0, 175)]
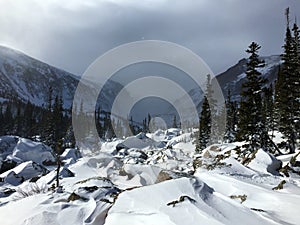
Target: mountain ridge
[(28, 79), (25, 78)]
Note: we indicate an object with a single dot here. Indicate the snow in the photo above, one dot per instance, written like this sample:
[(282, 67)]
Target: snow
[(22, 172), (265, 163), (22, 150), (146, 183), (29, 150), (71, 155), (149, 205)]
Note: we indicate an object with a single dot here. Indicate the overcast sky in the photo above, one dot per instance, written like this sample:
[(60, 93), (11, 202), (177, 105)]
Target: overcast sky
[(70, 34)]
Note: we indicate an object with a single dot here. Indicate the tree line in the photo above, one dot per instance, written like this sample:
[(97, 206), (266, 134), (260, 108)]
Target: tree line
[(262, 109)]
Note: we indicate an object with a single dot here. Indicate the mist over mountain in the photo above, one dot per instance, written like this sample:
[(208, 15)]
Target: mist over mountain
[(28, 79)]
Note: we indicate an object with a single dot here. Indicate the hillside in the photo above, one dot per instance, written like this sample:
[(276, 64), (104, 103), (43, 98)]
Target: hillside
[(28, 79)]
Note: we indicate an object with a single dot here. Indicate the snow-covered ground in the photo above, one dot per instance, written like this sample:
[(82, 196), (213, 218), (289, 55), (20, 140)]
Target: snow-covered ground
[(148, 179)]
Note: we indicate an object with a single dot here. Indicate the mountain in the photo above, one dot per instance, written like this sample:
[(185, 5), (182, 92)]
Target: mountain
[(27, 79), (235, 76)]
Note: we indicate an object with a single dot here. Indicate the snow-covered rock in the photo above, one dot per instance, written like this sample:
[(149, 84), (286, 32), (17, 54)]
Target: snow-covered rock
[(139, 141), (181, 201), (71, 155), (23, 172), (265, 163), (149, 184), (21, 150), (37, 152)]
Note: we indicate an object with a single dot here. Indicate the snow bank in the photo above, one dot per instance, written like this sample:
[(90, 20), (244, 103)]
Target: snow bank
[(22, 172), (265, 163), (27, 150), (22, 150), (181, 201), (139, 141)]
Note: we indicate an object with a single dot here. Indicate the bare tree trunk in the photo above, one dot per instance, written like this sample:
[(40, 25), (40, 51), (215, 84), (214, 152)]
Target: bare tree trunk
[(58, 169)]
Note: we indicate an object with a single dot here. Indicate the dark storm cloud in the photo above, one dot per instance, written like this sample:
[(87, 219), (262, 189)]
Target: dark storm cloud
[(71, 34)]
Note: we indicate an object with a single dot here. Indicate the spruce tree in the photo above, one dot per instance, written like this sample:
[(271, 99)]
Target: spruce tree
[(231, 120), (48, 122), (295, 80), (287, 88), (174, 122), (203, 139), (205, 119), (215, 123), (268, 108), (251, 127)]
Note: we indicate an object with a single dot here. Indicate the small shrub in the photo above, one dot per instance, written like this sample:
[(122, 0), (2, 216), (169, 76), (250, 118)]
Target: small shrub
[(279, 186), (74, 197), (105, 179), (181, 199), (31, 189), (293, 160), (241, 197)]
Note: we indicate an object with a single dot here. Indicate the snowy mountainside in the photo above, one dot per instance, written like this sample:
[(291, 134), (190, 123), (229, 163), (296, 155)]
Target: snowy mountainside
[(235, 76), (27, 79), (153, 178)]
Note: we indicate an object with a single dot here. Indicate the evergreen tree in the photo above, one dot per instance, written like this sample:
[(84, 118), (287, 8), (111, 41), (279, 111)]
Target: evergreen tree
[(215, 123), (69, 138), (205, 120), (1, 120), (251, 127), (8, 119), (48, 132), (231, 120), (28, 120), (17, 130), (268, 108), (149, 120), (287, 88), (57, 118), (98, 122), (203, 139), (174, 122), (295, 80)]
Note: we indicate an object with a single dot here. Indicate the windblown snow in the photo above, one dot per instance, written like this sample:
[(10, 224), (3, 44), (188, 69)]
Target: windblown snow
[(148, 179)]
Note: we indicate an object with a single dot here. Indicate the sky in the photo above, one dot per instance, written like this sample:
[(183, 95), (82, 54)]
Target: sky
[(71, 34)]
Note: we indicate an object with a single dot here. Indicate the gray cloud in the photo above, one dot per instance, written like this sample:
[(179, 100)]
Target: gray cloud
[(70, 34)]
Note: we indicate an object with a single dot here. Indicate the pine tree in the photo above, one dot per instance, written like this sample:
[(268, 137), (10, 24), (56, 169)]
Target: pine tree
[(215, 123), (251, 127), (29, 120), (48, 121), (98, 122), (287, 88), (268, 108), (203, 139), (1, 120), (205, 120), (295, 80), (8, 118), (231, 120), (57, 117), (174, 122), (279, 99)]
